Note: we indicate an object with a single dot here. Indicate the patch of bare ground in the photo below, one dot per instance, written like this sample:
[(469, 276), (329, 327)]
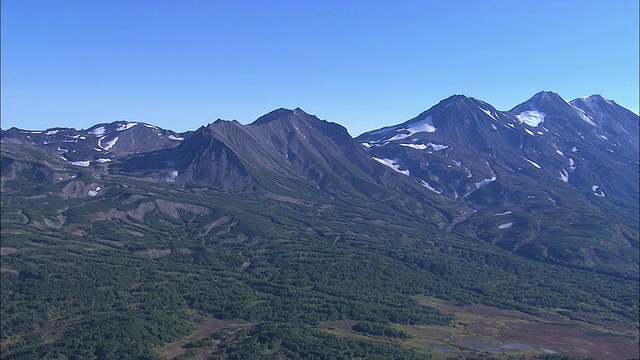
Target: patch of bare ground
[(154, 253), (76, 189), (218, 222), (131, 199), (54, 222), (166, 207), (38, 197), (227, 230), (5, 250), (171, 208), (16, 231), (205, 327), (4, 270), (58, 327), (118, 244), (485, 328)]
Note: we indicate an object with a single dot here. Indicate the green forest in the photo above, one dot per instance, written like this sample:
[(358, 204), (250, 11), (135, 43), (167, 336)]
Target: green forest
[(113, 282)]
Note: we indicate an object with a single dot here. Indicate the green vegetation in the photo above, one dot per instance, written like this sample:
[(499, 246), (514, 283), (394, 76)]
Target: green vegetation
[(287, 341), (123, 273), (370, 328)]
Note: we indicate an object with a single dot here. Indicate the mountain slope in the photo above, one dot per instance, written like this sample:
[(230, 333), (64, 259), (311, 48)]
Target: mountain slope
[(549, 180), (288, 154)]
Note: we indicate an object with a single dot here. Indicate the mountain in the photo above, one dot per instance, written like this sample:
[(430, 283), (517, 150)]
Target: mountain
[(100, 143), (464, 230), (285, 153), (549, 179)]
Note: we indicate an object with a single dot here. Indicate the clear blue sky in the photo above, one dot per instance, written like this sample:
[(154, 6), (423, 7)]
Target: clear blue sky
[(181, 64)]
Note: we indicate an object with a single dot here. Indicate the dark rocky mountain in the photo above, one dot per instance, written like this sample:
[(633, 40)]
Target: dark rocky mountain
[(285, 153), (533, 173)]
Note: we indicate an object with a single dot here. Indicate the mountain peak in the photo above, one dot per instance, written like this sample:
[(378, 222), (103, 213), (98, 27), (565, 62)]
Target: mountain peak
[(545, 101), (593, 100), (547, 96), (455, 99), (281, 114)]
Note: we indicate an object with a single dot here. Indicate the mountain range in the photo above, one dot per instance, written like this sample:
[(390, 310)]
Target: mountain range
[(562, 175), (550, 183)]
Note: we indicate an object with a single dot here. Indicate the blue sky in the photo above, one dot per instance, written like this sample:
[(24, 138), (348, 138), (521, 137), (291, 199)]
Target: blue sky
[(363, 64)]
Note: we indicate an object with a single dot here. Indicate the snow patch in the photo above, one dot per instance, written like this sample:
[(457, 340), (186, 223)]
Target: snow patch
[(415, 146), (602, 137), (564, 175), (98, 131), (529, 132), (110, 143), (600, 193), (486, 181), (425, 125), (94, 192), (126, 126), (494, 127), (506, 225), (584, 116), (532, 163), (171, 137), (150, 126), (503, 213), (489, 113), (102, 161), (426, 184), (51, 132), (437, 147), (560, 152), (172, 176), (392, 164), (80, 163), (400, 137), (531, 118)]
